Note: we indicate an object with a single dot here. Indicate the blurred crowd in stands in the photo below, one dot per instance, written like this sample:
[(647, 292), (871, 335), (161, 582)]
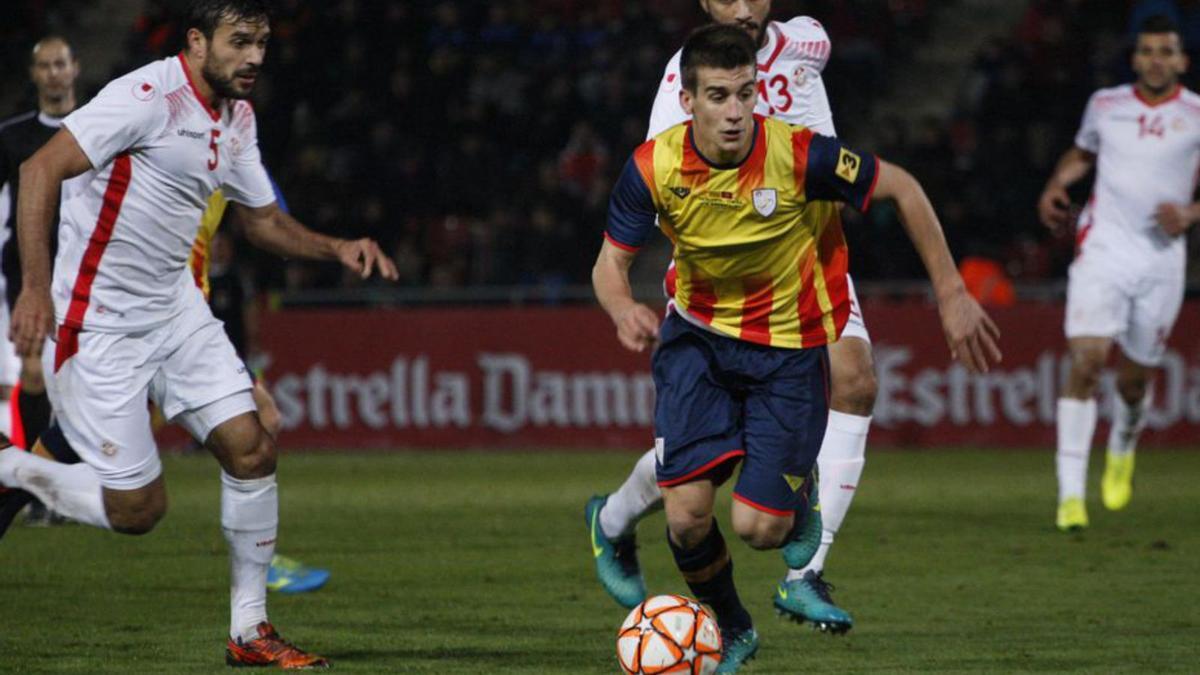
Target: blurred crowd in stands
[(479, 139)]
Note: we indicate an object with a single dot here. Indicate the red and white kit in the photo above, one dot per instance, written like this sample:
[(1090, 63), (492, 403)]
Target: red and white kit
[(132, 323), (1127, 281), (790, 89)]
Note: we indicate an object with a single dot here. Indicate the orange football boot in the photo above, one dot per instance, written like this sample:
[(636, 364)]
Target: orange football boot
[(270, 650)]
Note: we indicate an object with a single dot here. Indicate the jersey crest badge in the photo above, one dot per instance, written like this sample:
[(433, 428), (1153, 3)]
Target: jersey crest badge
[(143, 91), (765, 201), (848, 165), (680, 192)]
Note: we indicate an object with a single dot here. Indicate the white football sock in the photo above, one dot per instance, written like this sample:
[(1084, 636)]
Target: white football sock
[(840, 465), (250, 520), (72, 490), (638, 496), (1076, 426), (6, 418), (1127, 424)]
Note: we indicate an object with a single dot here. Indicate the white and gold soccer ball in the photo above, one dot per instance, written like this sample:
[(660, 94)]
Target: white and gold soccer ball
[(669, 634)]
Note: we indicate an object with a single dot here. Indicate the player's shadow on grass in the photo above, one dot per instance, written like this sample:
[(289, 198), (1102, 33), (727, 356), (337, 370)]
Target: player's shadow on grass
[(464, 658)]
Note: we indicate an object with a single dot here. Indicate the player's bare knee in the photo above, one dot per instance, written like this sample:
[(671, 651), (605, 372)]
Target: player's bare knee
[(854, 390), (763, 533), (135, 512), (257, 461), (1132, 389), (1086, 366), (688, 527)]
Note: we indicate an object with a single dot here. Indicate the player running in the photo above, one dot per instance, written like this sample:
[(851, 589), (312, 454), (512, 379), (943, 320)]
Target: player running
[(53, 69), (790, 59), (740, 369), (1127, 281), (285, 575), (131, 324)]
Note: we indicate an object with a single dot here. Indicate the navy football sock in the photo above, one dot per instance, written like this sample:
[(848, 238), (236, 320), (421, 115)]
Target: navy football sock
[(35, 414), (708, 570)]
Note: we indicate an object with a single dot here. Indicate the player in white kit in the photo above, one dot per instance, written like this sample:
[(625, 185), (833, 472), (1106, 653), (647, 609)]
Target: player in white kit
[(791, 58), (1127, 281), (127, 322)]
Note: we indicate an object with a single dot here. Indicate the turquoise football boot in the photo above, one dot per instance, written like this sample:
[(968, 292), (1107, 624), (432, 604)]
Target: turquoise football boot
[(616, 559), (808, 599), (798, 552), (738, 649)]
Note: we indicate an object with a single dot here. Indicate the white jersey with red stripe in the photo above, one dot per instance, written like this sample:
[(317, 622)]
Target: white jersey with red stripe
[(159, 150), (1147, 155), (790, 88)]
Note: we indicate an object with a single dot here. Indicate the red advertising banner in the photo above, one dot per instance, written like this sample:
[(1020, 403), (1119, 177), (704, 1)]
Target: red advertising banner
[(546, 377)]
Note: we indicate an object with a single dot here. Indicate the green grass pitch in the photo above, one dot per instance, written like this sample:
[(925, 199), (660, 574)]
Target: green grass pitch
[(478, 562)]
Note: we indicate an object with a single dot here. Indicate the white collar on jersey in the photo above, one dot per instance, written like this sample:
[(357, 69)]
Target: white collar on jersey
[(50, 120)]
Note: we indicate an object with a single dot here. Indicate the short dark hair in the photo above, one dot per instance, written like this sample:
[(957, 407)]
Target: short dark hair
[(1159, 23), (206, 15), (715, 46)]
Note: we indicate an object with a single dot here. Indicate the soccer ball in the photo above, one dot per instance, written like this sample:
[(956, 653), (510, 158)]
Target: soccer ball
[(669, 634)]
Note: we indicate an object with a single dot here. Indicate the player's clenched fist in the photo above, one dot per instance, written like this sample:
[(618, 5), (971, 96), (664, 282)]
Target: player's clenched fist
[(637, 327), (1175, 219), (970, 332), (361, 255), (32, 321), (1054, 207)]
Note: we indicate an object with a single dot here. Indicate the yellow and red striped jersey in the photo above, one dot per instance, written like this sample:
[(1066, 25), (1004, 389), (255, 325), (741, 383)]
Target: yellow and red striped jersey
[(759, 250), (199, 259)]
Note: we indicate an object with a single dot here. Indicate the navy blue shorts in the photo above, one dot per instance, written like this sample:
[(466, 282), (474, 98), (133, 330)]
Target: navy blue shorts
[(720, 400)]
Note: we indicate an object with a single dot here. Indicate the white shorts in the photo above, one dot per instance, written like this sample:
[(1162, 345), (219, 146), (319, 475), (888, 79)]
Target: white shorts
[(856, 326), (100, 393), (1137, 313)]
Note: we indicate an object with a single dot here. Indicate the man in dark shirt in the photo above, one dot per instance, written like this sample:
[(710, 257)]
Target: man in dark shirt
[(53, 69)]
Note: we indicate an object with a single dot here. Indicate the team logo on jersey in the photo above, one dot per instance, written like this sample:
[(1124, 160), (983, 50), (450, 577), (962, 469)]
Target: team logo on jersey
[(848, 165), (143, 91), (108, 448), (765, 201), (680, 192), (799, 76)]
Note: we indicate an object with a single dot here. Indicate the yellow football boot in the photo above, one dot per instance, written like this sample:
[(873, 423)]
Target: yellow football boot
[(1116, 488), (1072, 515)]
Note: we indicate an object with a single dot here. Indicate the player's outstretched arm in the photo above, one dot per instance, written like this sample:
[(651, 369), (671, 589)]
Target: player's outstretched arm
[(970, 332), (637, 324), (42, 176), (269, 228), (1054, 206)]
